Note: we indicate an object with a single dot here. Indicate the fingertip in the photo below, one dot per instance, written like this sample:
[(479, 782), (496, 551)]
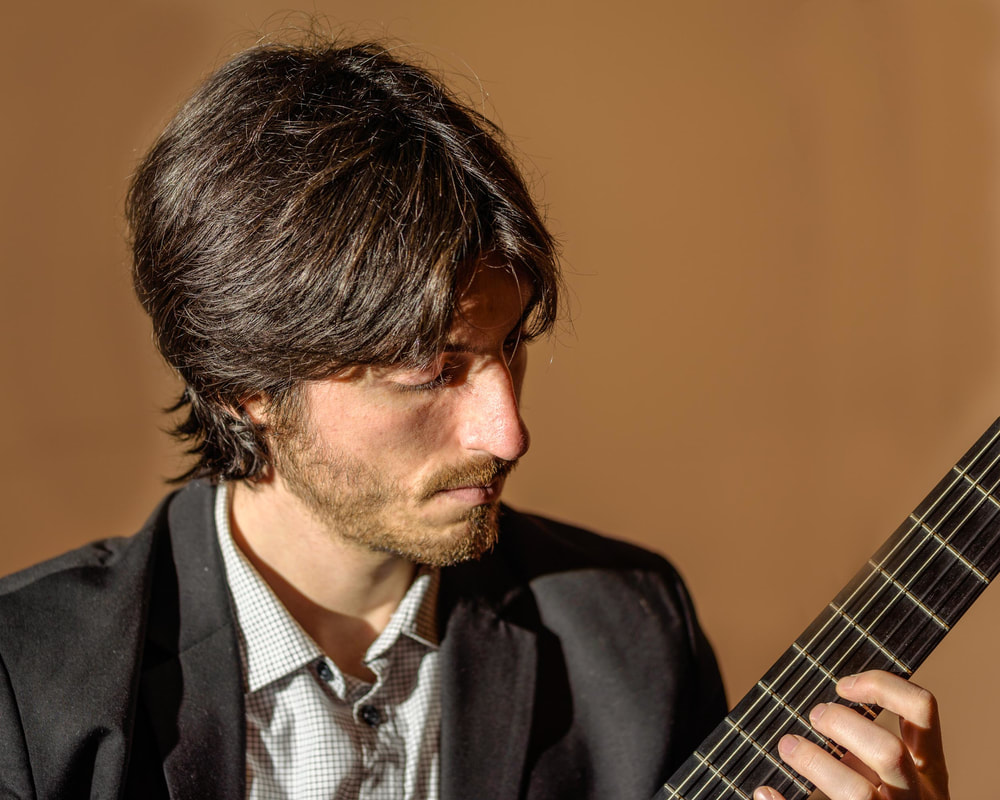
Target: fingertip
[(846, 683), (765, 793), (787, 745)]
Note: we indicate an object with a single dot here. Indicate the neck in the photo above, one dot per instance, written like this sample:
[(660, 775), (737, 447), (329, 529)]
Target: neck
[(341, 593)]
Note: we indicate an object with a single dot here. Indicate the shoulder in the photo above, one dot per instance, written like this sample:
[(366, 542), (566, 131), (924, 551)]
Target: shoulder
[(616, 622), (99, 568), (87, 595), (87, 570), (589, 588), (543, 551), (542, 540)]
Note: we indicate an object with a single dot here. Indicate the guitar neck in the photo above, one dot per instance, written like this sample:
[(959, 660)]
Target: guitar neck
[(890, 616)]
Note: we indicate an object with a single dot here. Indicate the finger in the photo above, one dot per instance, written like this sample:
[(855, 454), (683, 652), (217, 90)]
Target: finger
[(837, 780), (881, 751), (861, 768), (767, 793), (919, 724)]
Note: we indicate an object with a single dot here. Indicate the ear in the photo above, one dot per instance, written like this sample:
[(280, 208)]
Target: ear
[(256, 408)]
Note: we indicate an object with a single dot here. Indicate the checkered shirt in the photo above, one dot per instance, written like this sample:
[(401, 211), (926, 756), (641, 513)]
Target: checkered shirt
[(316, 733)]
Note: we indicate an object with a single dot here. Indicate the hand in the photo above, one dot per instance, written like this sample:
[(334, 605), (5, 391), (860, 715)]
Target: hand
[(880, 765)]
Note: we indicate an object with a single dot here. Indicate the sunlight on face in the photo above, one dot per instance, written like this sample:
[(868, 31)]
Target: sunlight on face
[(413, 461)]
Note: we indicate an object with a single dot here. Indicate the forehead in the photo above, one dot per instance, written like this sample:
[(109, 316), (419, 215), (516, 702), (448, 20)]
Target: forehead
[(493, 297)]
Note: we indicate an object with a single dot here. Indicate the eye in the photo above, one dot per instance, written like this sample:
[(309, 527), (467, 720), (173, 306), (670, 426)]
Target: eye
[(443, 378), (515, 342), (418, 382)]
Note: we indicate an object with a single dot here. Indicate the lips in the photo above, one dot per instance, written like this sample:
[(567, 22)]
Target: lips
[(474, 494), (485, 477)]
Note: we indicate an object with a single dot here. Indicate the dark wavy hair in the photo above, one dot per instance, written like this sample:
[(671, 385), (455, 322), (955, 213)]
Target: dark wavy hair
[(311, 208)]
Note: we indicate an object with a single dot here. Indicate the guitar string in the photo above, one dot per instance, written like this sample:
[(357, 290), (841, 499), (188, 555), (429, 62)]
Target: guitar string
[(967, 595), (904, 538), (946, 566), (933, 559), (863, 636)]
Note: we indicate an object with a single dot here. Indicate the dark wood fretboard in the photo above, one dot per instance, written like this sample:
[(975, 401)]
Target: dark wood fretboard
[(890, 616)]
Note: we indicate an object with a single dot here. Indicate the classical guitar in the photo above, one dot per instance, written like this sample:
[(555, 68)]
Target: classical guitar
[(890, 616)]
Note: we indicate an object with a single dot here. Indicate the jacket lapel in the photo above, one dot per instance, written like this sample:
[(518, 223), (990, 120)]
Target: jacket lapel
[(488, 665), (191, 684)]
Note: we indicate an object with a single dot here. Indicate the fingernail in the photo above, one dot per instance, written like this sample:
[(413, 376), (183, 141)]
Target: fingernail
[(762, 793), (817, 712), (847, 683), (787, 744)]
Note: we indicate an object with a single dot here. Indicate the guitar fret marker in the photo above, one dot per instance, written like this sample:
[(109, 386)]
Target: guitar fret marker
[(766, 753), (868, 634), (917, 601), (947, 546)]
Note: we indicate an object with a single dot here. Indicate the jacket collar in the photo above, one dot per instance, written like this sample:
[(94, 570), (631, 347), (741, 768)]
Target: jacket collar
[(489, 657), (191, 683)]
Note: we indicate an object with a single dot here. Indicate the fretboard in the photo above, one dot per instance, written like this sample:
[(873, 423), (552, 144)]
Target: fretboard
[(890, 616)]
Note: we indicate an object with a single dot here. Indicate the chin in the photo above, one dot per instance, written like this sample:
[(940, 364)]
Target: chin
[(466, 540)]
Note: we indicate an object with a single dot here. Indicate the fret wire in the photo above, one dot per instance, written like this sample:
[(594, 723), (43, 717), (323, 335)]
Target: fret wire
[(852, 648), (986, 494), (784, 768), (916, 600), (719, 774), (992, 543), (868, 635), (922, 525), (933, 506), (944, 546), (777, 697), (922, 569), (865, 634), (973, 569), (940, 627), (771, 738), (839, 752)]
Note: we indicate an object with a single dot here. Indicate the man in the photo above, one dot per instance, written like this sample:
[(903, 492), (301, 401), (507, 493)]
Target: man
[(345, 267)]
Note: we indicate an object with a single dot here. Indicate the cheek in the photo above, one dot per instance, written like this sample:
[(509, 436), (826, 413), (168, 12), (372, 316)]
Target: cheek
[(406, 438)]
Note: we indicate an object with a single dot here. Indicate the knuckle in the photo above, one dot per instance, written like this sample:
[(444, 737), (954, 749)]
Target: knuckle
[(807, 761), (926, 699), (890, 756), (863, 792)]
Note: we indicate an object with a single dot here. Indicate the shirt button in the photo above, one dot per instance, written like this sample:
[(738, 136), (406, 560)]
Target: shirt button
[(324, 671), (370, 715)]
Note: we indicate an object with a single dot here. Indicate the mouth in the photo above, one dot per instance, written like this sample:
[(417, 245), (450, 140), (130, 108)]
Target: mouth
[(473, 494), (471, 485)]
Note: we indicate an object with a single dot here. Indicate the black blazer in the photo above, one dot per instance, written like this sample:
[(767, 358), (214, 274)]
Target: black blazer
[(572, 666)]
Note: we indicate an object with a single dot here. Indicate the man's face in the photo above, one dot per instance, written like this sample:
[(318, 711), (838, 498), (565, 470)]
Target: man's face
[(412, 461)]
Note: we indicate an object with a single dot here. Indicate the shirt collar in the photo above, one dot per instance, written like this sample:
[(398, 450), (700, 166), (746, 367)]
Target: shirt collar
[(274, 645)]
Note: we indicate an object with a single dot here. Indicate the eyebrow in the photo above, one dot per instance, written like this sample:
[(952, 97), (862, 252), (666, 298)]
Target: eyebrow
[(455, 347)]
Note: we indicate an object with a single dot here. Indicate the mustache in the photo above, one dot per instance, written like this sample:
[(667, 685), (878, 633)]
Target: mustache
[(479, 473)]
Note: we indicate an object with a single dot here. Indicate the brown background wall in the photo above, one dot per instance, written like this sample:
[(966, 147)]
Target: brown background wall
[(780, 229)]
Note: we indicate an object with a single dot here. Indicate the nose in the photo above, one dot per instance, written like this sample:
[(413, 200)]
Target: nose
[(492, 421)]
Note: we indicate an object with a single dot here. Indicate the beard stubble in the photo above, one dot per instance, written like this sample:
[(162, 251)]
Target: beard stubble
[(355, 503)]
